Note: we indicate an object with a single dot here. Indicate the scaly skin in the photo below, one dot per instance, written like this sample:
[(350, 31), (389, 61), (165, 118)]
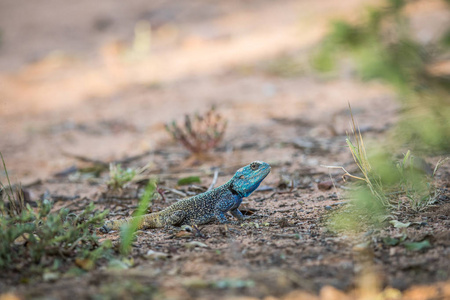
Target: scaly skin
[(206, 207)]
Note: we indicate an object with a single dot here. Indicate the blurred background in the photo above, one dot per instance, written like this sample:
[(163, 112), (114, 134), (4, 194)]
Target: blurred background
[(101, 79)]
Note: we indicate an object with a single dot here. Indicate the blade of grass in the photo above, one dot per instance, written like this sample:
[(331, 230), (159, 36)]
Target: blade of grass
[(128, 230), (7, 176)]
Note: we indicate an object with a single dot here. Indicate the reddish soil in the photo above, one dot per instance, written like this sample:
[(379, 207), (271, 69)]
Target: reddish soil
[(100, 98)]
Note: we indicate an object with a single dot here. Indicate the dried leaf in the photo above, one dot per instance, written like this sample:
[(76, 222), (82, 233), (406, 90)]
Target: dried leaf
[(184, 234), (194, 244), (398, 224), (154, 255)]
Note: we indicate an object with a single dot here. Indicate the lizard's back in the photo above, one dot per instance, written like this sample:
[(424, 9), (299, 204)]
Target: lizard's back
[(199, 209)]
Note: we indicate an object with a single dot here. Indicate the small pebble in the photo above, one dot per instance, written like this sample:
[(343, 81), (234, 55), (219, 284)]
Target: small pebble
[(325, 185), (327, 207)]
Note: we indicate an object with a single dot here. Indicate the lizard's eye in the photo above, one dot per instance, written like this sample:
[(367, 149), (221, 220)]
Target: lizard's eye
[(254, 166)]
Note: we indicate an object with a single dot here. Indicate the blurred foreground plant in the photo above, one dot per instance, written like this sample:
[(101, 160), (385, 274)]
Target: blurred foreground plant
[(382, 46), (128, 230), (387, 186), (200, 133), (42, 239)]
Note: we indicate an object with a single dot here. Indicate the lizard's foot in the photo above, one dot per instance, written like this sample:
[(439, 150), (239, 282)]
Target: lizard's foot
[(104, 229), (107, 227)]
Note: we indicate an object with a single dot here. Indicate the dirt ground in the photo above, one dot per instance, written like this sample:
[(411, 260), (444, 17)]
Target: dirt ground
[(79, 79)]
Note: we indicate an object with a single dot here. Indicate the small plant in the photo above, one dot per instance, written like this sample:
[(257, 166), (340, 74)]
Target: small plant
[(200, 133), (369, 205), (118, 177), (371, 178), (42, 239), (387, 180), (415, 184), (387, 187)]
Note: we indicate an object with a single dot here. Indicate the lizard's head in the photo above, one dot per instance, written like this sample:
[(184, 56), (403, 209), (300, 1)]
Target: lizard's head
[(248, 178)]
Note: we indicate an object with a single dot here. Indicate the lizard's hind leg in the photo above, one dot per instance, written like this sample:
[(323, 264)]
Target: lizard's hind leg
[(176, 218)]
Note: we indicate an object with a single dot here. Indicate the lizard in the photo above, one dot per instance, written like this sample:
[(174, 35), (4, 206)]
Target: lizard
[(205, 207)]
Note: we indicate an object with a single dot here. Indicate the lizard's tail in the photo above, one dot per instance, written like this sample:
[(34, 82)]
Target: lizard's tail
[(146, 221)]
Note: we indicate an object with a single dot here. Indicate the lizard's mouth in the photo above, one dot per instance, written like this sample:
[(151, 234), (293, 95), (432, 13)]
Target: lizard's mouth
[(260, 174), (263, 171)]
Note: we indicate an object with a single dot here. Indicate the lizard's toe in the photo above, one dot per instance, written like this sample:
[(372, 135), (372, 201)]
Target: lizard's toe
[(106, 227)]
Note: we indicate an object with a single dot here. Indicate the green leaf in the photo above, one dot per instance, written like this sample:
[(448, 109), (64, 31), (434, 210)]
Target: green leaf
[(417, 246), (189, 180), (390, 241), (398, 224)]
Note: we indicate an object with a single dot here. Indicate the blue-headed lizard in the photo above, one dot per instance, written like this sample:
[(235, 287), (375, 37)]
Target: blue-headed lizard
[(205, 207)]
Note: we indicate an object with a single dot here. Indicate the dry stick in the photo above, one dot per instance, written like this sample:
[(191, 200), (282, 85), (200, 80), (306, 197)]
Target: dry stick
[(185, 172), (133, 158), (32, 183), (345, 171), (69, 203), (119, 161), (334, 184), (86, 159), (213, 183)]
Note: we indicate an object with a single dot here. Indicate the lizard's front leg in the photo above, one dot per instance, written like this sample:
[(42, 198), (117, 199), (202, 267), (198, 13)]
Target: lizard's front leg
[(230, 203), (237, 214)]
